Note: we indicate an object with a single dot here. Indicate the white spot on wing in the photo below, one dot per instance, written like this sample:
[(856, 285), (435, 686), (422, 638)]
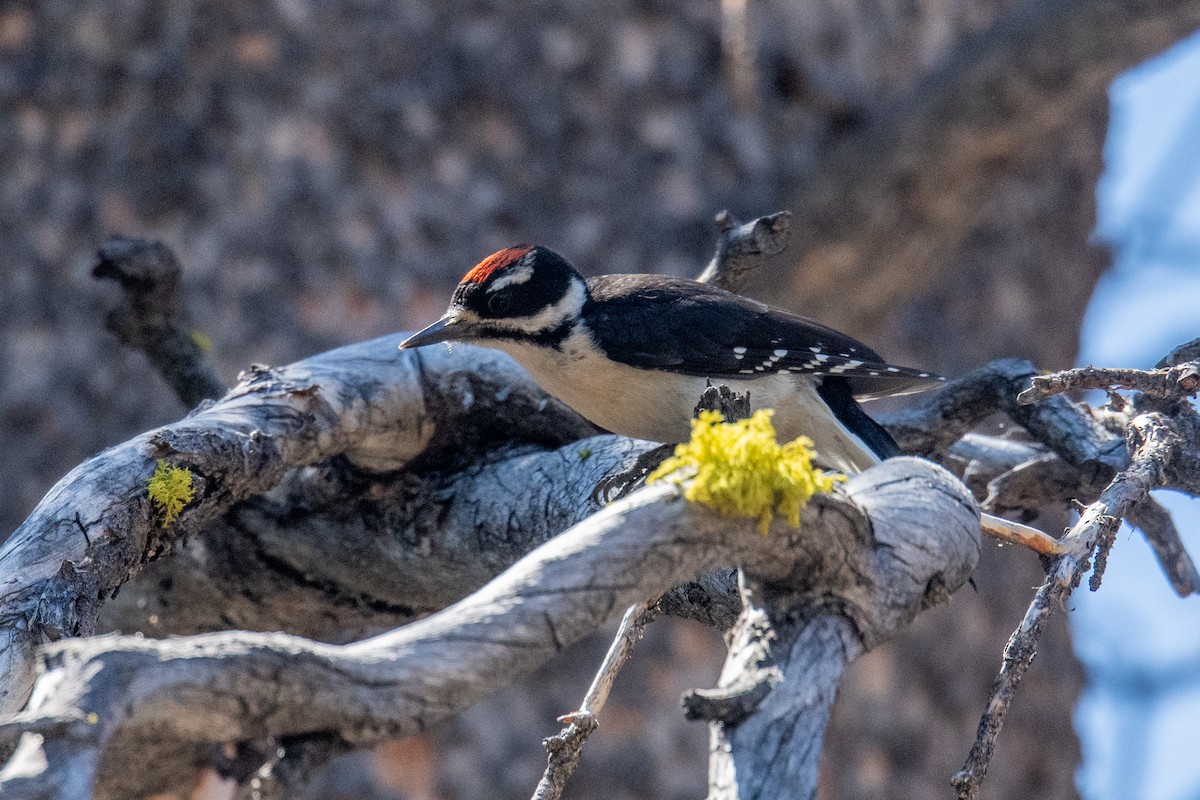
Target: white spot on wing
[(780, 353), (741, 351), (849, 366)]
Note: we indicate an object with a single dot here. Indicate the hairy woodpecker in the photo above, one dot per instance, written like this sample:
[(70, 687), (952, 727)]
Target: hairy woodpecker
[(633, 353)]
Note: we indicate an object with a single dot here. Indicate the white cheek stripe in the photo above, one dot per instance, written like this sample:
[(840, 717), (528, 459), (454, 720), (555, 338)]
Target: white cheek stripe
[(551, 316)]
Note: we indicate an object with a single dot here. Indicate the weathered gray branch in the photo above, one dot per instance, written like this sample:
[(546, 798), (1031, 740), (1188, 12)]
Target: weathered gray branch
[(1154, 445), (565, 748), (151, 318), (458, 517), (938, 419), (821, 621), (374, 410), (98, 694), (742, 247), (371, 406), (1181, 380)]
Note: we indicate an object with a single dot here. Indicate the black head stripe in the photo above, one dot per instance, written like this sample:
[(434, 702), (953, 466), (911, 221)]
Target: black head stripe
[(498, 298)]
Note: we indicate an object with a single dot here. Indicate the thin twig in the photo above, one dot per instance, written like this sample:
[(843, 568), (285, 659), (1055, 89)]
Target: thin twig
[(1005, 530), (1153, 443), (565, 749), (1178, 381)]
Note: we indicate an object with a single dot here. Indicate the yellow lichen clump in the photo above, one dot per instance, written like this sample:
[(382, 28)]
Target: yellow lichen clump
[(738, 468), (202, 340), (170, 489)]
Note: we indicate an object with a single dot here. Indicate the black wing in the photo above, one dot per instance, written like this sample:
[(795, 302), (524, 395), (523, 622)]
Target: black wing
[(682, 326)]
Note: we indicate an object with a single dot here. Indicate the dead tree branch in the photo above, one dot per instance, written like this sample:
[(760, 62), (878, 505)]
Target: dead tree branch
[(741, 248), (366, 404), (1154, 445), (565, 748), (151, 319), (1177, 381), (97, 695), (797, 636)]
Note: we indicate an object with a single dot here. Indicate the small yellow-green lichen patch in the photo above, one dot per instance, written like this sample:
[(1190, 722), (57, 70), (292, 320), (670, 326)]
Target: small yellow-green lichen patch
[(201, 340), (170, 489), (585, 453), (738, 468)]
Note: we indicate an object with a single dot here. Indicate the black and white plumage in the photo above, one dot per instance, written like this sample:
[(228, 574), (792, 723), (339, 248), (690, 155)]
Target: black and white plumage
[(633, 353)]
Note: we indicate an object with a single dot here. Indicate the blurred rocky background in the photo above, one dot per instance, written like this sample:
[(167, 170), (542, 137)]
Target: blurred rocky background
[(327, 171)]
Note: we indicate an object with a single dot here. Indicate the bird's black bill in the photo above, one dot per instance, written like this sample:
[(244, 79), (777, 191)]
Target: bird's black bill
[(446, 329)]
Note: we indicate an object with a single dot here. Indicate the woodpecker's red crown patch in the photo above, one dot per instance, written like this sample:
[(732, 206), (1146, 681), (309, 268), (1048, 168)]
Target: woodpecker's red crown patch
[(484, 270)]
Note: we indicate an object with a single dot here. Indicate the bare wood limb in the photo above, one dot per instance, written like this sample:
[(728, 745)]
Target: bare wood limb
[(811, 638), (369, 404), (741, 248), (751, 677), (632, 627), (151, 318), (939, 418), (1188, 351), (1156, 525), (238, 686), (1182, 380), (563, 750), (1153, 444), (361, 448)]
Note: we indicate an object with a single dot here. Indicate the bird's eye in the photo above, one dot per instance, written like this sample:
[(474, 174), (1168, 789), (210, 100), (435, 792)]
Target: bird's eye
[(500, 302)]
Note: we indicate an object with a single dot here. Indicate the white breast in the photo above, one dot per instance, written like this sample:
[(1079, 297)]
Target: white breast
[(658, 406)]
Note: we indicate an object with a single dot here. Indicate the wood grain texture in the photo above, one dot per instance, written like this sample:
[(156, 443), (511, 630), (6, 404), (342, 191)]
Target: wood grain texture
[(242, 686)]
